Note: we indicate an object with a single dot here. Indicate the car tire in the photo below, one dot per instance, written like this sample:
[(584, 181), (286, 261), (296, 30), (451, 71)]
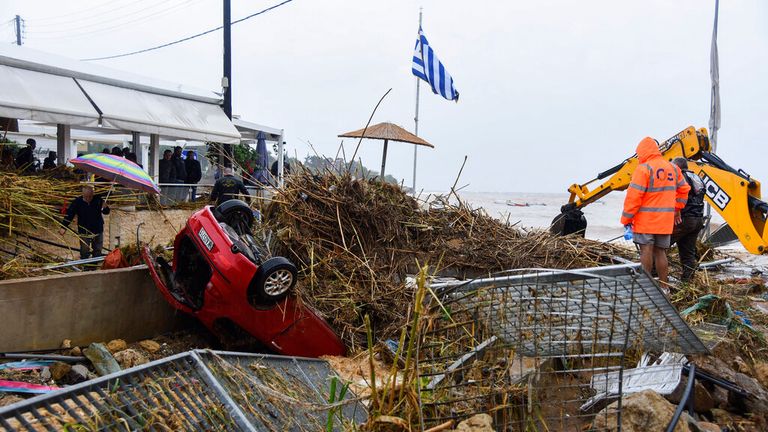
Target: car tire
[(273, 281), (237, 214)]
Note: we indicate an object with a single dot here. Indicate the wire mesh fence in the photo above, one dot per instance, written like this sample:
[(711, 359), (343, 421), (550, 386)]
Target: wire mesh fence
[(543, 349), (196, 391)]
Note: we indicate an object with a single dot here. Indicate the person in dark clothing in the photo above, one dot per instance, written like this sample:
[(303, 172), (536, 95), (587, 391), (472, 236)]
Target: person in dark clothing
[(691, 221), (25, 160), (106, 150), (125, 151), (117, 151), (229, 187), (167, 171), (131, 156), (178, 164), (194, 173), (50, 162), (90, 222)]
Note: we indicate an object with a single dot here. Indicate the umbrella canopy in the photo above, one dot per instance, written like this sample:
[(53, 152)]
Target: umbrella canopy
[(387, 132), (118, 169), (262, 173)]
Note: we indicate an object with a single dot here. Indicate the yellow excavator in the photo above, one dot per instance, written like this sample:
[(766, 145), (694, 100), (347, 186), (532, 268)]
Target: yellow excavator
[(733, 193)]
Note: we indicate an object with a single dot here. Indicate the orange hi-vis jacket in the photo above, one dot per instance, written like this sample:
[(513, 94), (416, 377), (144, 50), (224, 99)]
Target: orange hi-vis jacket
[(656, 191)]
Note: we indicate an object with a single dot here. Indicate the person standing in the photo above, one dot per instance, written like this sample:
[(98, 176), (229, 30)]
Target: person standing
[(229, 187), (90, 223), (49, 163), (25, 160), (691, 221), (178, 164), (655, 196), (166, 169), (194, 173)]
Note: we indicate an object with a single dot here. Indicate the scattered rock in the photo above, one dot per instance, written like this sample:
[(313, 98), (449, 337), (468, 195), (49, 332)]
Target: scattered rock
[(757, 399), (116, 345), (740, 365), (149, 346), (703, 400), (66, 344), (761, 373), (720, 395), (130, 357), (45, 374), (476, 423), (708, 427), (641, 412), (59, 370), (102, 359), (78, 373)]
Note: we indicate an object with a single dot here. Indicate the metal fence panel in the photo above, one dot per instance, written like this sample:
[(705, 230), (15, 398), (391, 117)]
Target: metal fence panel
[(196, 390), (525, 345)]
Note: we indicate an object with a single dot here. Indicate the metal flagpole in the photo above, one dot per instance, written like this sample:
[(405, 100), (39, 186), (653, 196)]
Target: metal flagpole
[(416, 118), (714, 107)]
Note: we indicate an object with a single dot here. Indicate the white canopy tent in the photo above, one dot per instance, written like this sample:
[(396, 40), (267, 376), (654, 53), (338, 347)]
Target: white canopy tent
[(26, 94), (68, 93)]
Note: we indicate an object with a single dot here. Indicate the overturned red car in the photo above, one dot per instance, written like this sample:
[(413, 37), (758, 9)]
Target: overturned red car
[(218, 275)]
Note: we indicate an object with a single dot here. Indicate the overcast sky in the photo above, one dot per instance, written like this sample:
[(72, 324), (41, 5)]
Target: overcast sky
[(552, 91)]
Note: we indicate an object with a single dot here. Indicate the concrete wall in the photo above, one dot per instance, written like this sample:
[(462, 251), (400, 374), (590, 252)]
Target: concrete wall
[(39, 313), (157, 229)]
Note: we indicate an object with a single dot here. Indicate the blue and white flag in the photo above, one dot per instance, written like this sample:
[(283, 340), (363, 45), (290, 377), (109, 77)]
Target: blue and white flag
[(427, 67)]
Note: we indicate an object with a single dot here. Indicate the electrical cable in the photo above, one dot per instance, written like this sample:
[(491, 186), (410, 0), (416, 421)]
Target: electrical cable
[(178, 41), (89, 11), (97, 29)]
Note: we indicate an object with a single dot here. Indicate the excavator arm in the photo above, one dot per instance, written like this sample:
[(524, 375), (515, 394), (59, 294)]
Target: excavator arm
[(689, 144), (732, 193)]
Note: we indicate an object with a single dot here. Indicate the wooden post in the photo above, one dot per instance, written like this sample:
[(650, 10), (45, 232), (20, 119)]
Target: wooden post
[(384, 159)]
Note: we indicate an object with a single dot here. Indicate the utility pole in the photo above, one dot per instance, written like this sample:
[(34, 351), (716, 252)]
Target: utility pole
[(226, 82), (18, 30)]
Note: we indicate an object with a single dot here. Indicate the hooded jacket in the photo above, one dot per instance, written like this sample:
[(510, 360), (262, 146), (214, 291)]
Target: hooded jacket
[(657, 190)]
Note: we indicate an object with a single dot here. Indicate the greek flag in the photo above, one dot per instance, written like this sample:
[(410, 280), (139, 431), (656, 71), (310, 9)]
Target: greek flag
[(427, 67)]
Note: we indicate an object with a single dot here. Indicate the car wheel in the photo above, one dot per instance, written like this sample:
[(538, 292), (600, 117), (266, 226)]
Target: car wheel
[(236, 214), (273, 281)]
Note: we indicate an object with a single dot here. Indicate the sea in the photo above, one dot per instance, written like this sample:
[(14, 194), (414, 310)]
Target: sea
[(537, 210)]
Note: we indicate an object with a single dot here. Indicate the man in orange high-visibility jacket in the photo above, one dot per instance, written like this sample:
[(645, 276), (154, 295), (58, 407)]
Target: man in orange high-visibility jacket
[(655, 196)]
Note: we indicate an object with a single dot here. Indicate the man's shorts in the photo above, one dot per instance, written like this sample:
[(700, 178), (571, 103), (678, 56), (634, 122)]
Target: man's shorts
[(658, 240)]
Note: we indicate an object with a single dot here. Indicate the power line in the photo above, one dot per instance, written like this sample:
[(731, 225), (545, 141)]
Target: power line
[(91, 29), (188, 37), (88, 11)]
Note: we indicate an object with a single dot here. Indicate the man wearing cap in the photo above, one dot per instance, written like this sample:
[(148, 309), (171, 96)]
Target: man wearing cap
[(691, 221)]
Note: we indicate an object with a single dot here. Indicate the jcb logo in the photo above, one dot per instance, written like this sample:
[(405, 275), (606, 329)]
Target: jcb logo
[(714, 192)]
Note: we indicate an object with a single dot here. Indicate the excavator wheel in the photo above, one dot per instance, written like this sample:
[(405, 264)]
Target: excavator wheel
[(569, 222)]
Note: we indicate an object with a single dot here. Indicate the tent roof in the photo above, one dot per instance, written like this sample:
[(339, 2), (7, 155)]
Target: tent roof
[(387, 131), (39, 61)]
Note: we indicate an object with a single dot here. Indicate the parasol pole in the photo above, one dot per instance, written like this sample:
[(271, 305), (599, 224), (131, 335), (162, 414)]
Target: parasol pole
[(416, 120), (109, 192), (384, 159)]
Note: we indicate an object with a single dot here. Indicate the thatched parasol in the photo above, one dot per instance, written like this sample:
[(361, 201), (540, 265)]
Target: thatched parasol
[(387, 132)]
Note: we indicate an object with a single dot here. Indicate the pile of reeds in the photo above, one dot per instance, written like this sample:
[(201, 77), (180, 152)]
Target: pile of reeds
[(32, 207), (356, 240)]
